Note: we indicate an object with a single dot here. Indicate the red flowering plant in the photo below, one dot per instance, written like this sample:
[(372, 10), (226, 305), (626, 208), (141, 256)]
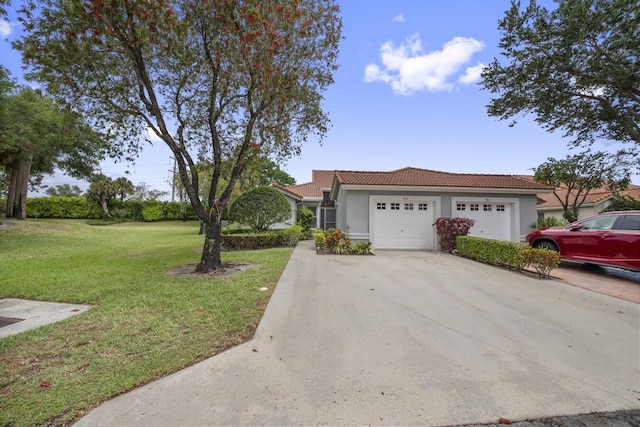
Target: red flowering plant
[(450, 228)]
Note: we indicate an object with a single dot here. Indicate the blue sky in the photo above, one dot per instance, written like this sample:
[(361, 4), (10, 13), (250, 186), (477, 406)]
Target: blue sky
[(406, 94)]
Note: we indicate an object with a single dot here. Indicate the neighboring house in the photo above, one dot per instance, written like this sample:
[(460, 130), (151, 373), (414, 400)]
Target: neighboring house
[(397, 209), (597, 200), (294, 200), (315, 196)]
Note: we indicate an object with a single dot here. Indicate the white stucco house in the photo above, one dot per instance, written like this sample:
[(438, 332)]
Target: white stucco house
[(397, 209)]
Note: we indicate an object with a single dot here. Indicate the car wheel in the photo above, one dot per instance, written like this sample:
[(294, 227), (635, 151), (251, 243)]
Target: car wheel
[(546, 244)]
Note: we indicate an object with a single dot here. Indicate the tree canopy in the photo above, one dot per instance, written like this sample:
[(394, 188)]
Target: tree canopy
[(64, 190), (215, 80), (260, 208), (575, 176), (575, 68), (38, 136)]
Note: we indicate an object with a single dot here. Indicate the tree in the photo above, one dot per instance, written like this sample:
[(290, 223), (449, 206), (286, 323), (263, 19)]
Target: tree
[(64, 190), (215, 80), (103, 189), (260, 208), (262, 172), (575, 68), (142, 192), (123, 187), (622, 202), (575, 176), (36, 137)]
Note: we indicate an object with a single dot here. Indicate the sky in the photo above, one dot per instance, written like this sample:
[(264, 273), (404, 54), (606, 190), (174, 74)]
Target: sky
[(407, 94)]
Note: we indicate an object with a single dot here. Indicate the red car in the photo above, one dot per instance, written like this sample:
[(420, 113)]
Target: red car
[(611, 238)]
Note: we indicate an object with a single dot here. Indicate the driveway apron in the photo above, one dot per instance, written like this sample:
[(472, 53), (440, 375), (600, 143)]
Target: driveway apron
[(405, 337)]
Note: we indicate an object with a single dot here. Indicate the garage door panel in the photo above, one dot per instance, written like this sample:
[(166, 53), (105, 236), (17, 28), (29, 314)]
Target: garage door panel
[(492, 220), (403, 224)]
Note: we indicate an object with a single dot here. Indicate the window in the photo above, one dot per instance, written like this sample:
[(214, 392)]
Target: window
[(408, 206), (422, 206), (395, 206), (630, 222), (474, 207), (500, 208), (486, 208), (381, 206), (461, 207), (599, 223)]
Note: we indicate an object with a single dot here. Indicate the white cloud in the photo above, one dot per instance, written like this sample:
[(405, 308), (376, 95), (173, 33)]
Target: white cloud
[(472, 74), (408, 69), (399, 18), (5, 28)]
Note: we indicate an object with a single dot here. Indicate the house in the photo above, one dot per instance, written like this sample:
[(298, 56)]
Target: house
[(315, 196), (597, 200), (397, 209)]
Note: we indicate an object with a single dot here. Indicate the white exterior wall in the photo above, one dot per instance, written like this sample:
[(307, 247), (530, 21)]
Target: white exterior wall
[(292, 219)]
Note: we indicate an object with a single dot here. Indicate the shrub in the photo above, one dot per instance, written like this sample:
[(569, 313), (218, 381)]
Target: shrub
[(305, 220), (491, 251), (543, 260), (152, 211), (361, 248), (450, 228), (320, 238), (291, 236), (243, 242), (260, 208), (341, 247), (509, 254), (333, 238), (62, 207), (548, 223)]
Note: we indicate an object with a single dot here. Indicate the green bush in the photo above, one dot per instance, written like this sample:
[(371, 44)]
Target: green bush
[(497, 252), (62, 208), (260, 208), (152, 211), (243, 242), (291, 236), (320, 238), (305, 220), (508, 254), (548, 223)]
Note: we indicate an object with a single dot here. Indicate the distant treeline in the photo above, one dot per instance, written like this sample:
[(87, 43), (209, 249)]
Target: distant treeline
[(81, 208)]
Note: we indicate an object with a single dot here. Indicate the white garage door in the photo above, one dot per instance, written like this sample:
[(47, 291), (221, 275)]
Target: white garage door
[(493, 220), (403, 224)]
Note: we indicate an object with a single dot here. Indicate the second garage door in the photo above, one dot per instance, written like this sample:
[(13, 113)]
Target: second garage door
[(493, 220), (402, 223)]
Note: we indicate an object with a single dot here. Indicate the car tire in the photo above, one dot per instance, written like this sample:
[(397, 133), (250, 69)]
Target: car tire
[(546, 244)]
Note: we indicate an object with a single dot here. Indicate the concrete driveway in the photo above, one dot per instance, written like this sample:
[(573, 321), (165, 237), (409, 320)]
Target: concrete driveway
[(406, 338)]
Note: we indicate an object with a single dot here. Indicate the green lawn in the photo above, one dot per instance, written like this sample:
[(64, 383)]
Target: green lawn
[(143, 324)]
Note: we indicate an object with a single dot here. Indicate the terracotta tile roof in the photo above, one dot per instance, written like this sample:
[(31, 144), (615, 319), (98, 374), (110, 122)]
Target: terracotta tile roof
[(287, 190), (595, 196), (429, 178), (319, 179)]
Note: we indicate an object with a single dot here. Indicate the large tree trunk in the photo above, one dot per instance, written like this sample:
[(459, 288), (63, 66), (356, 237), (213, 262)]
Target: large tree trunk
[(105, 206), (211, 259), (11, 196), (18, 188)]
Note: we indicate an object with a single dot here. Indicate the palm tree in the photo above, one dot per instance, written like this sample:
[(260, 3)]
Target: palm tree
[(123, 187), (103, 189)]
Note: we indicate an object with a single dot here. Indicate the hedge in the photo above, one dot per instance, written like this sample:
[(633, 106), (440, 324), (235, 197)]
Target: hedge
[(80, 208), (508, 254)]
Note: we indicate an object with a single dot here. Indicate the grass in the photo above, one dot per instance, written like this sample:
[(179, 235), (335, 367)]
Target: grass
[(143, 325)]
